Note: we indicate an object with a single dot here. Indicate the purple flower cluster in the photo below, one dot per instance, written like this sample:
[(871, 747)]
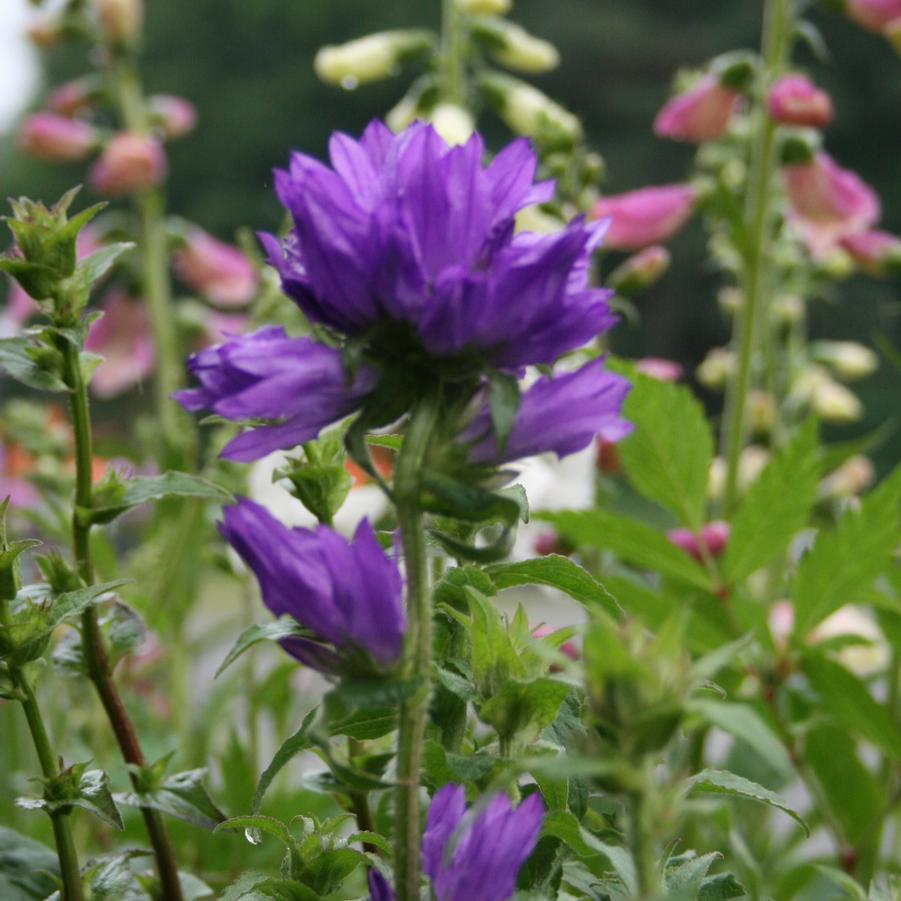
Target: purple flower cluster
[(347, 594), (408, 247), (473, 857)]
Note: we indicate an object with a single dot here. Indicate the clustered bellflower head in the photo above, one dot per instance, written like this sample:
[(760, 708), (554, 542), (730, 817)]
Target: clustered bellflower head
[(347, 594), (475, 856), (405, 249)]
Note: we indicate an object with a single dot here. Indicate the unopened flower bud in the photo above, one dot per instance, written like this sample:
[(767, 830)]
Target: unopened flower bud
[(714, 370), (45, 32), (72, 97), (56, 139), (220, 272), (527, 111), (852, 478), (640, 271), (121, 20), (761, 412), (848, 359), (175, 115), (787, 308), (551, 543), (659, 369), (730, 300), (454, 123), (796, 100), (512, 46), (833, 402), (607, 459), (370, 58), (874, 15), (876, 252), (129, 163), (751, 463), (484, 7), (702, 113), (646, 216)]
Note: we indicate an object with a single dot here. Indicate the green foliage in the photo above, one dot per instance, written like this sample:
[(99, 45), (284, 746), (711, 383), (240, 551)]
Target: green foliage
[(77, 786)]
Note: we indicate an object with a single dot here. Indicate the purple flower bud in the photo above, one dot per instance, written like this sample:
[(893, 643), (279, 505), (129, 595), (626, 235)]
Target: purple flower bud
[(123, 338), (796, 100), (702, 113), (176, 115), (267, 375), (57, 139), (346, 593), (477, 857), (646, 216), (129, 163), (561, 414), (220, 272)]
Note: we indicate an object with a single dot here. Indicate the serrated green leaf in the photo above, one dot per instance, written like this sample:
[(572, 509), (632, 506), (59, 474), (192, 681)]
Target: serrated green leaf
[(846, 560), (774, 508), (182, 795), (298, 742), (524, 708), (630, 540), (29, 870), (667, 458), (558, 572), (97, 264), (725, 783), (18, 360), (283, 627), (92, 793), (258, 823)]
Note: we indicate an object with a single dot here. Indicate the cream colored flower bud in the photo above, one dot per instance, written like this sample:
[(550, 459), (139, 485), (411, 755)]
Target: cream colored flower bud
[(484, 7), (866, 658), (848, 359), (534, 219), (761, 412), (527, 111), (454, 123), (833, 402), (751, 463), (788, 308), (512, 46), (730, 300), (852, 478), (121, 19), (715, 369), (369, 58), (403, 113)]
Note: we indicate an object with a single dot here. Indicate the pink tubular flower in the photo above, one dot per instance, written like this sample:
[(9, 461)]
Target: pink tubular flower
[(220, 272), (796, 100), (176, 115), (646, 216), (702, 113), (70, 97), (874, 251), (129, 163), (56, 139), (710, 541), (874, 15), (660, 369), (122, 338), (828, 202)]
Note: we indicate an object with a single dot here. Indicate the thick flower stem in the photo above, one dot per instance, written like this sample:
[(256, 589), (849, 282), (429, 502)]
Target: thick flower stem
[(641, 839), (417, 655), (65, 845), (94, 650), (452, 54), (777, 24)]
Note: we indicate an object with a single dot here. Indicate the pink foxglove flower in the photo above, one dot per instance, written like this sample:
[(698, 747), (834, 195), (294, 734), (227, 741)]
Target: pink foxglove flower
[(176, 115), (702, 113), (56, 138), (129, 163), (874, 15), (221, 273), (796, 100), (875, 251), (646, 216)]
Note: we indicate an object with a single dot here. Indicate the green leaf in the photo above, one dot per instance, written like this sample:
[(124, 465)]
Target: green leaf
[(182, 795), (667, 458), (28, 870), (524, 708), (298, 742), (99, 263), (631, 541), (845, 561), (557, 572), (494, 659), (90, 792), (123, 629), (253, 825), (721, 887), (133, 492), (260, 887), (723, 782), (284, 627), (503, 403), (20, 358), (774, 508), (852, 705)]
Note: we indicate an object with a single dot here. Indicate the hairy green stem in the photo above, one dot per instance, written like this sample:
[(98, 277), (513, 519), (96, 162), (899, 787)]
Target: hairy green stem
[(452, 53), (641, 840), (777, 24), (65, 845), (93, 647), (417, 652)]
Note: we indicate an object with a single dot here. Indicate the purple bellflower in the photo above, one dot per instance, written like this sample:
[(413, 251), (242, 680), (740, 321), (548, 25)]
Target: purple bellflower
[(473, 857), (347, 594)]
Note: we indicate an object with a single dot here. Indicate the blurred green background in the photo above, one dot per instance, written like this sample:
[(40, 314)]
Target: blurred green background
[(247, 64)]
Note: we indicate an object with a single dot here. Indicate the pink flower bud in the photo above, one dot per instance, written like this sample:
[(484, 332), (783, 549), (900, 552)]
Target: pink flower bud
[(796, 100), (660, 369), (646, 216), (56, 138), (70, 97), (567, 647), (876, 252), (874, 15), (129, 163), (121, 19), (715, 536), (711, 541), (551, 543), (176, 115), (122, 337), (220, 272), (640, 271), (702, 113), (828, 202)]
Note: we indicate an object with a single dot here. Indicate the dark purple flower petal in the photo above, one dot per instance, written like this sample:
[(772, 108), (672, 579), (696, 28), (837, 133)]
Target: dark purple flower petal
[(445, 814), (379, 890)]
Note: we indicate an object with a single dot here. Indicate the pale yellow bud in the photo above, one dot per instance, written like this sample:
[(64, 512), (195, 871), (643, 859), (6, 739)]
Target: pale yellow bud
[(761, 412), (369, 58), (852, 478), (527, 111), (454, 123), (751, 463), (866, 658), (121, 20), (848, 359), (714, 370), (730, 300), (405, 112), (484, 7), (833, 402), (534, 219), (787, 308), (515, 48)]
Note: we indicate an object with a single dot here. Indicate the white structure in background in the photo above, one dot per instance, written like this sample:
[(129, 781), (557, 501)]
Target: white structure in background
[(18, 63)]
